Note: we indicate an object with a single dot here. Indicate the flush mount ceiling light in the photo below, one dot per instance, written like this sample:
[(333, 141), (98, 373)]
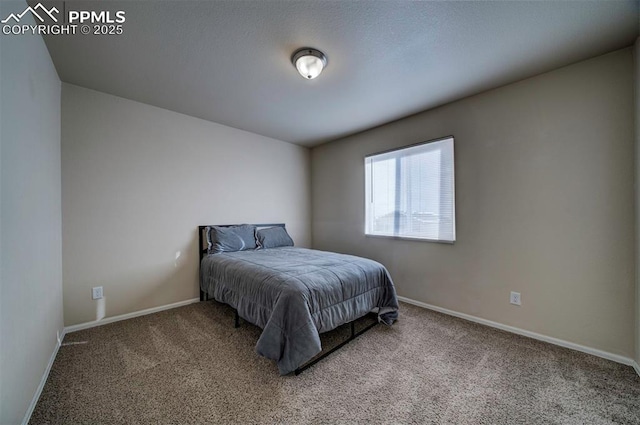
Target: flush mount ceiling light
[(309, 62)]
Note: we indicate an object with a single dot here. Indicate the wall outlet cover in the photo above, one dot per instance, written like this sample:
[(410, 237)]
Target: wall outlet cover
[(515, 298), (96, 293)]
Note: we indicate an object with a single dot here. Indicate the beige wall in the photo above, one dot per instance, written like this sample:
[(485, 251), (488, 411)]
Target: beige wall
[(637, 169), (137, 181), (544, 204), (30, 240)]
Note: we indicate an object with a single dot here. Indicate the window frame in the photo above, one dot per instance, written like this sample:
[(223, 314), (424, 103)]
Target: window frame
[(453, 190)]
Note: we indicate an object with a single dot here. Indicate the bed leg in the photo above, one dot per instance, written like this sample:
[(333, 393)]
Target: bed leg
[(353, 336), (236, 320), (203, 296)]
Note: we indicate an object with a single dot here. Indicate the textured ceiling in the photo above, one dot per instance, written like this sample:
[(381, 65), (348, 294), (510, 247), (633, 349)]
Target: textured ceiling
[(229, 61)]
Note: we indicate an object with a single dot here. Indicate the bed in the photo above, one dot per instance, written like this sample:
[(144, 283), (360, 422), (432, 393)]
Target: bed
[(292, 293)]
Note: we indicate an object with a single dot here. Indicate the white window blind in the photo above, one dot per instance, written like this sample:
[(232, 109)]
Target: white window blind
[(410, 192)]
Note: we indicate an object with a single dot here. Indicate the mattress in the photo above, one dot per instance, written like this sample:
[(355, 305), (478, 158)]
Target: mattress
[(294, 294)]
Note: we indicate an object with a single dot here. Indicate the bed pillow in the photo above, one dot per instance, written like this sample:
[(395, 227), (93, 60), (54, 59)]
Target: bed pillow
[(231, 239), (274, 237)]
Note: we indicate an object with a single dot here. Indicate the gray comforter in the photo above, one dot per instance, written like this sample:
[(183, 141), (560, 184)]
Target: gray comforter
[(294, 294)]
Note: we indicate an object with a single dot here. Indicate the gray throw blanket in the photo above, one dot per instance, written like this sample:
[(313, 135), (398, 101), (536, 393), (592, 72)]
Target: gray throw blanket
[(294, 294)]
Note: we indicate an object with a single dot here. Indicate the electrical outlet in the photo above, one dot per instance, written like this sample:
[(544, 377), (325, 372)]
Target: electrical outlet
[(96, 293), (515, 298)]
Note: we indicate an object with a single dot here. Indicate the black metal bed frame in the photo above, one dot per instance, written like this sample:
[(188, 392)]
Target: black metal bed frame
[(236, 319)]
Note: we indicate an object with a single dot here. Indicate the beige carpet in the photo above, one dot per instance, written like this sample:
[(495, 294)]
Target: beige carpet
[(190, 366)]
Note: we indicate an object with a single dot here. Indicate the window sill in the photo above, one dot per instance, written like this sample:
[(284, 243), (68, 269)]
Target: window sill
[(408, 238)]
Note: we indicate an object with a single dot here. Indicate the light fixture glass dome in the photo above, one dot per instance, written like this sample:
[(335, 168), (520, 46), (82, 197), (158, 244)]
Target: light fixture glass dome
[(309, 62)]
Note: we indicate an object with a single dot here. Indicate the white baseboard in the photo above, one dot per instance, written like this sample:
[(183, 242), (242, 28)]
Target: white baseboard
[(636, 367), (43, 380), (94, 323), (604, 354)]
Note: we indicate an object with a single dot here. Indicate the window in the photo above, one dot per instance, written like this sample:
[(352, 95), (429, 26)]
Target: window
[(410, 192)]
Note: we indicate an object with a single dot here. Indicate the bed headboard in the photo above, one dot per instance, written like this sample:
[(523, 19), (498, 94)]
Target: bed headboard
[(202, 234)]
